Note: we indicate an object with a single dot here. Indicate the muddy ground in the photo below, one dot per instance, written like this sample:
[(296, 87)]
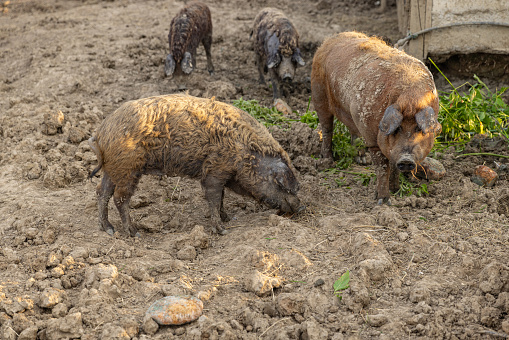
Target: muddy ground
[(431, 267)]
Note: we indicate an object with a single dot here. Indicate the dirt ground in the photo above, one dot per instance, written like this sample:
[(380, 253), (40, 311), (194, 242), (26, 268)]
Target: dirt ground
[(432, 267)]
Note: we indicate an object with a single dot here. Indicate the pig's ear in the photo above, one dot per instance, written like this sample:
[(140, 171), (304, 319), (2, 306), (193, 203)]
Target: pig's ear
[(391, 120), (273, 57), (427, 121), (297, 57), (187, 63), (169, 65), (283, 175)]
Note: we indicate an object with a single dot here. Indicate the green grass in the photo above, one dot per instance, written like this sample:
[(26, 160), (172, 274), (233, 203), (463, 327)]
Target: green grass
[(342, 149), (266, 116), (476, 110), (407, 188)]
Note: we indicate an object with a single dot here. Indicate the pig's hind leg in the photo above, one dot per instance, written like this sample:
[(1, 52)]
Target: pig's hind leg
[(104, 192), (122, 197)]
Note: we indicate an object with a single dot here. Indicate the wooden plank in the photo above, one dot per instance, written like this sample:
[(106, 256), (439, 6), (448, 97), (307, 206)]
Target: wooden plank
[(417, 23)]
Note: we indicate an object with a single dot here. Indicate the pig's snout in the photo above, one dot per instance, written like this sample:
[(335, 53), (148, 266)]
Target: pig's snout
[(287, 77), (406, 164), (291, 204)]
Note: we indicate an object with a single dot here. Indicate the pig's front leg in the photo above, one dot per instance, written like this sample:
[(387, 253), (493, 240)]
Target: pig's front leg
[(382, 170), (276, 81), (214, 192), (394, 179), (260, 66)]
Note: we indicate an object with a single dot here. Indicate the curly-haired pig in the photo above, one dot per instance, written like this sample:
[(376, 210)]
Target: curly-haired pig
[(379, 93), (188, 28), (181, 135), (276, 46)]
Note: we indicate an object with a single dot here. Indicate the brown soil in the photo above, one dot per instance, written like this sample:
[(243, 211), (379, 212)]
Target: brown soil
[(426, 267)]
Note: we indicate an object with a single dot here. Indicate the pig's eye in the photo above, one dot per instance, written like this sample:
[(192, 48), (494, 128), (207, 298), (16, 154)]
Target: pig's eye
[(398, 130)]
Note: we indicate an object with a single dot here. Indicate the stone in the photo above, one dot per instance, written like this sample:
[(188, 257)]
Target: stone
[(484, 176), (175, 310), (282, 106), (430, 169)]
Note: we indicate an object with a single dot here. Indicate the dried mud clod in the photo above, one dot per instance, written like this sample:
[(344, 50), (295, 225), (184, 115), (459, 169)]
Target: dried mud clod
[(53, 123)]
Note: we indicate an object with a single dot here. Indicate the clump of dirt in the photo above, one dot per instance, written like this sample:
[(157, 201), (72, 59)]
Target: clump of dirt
[(430, 266)]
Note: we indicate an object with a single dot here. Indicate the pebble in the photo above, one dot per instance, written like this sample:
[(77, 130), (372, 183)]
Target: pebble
[(430, 169), (175, 310), (319, 282), (282, 106), (484, 176)]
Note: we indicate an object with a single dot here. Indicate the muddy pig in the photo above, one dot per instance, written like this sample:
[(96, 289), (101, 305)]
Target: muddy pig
[(379, 93), (188, 28), (276, 45), (181, 135)]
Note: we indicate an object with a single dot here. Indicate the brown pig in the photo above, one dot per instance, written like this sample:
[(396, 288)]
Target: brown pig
[(181, 135), (188, 28), (276, 45), (379, 93)]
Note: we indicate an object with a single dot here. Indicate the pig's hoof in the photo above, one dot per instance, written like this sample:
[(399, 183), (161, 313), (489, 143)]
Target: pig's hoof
[(109, 230), (137, 235), (386, 200), (224, 217), (220, 230)]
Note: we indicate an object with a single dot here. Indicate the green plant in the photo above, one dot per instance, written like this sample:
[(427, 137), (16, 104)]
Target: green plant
[(341, 284), (342, 149), (407, 188), (478, 111), (310, 117), (364, 178), (267, 116)]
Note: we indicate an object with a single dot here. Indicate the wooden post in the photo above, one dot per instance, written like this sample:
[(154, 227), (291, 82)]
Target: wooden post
[(418, 22)]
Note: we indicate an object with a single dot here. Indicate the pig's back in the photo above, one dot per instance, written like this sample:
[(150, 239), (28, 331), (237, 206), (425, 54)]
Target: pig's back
[(178, 130), (364, 75)]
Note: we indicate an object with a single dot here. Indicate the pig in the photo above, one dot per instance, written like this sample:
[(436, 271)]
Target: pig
[(181, 135), (381, 94), (276, 46), (188, 28)]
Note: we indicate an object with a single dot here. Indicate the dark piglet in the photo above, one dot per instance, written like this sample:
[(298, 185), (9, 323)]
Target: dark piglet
[(381, 94), (188, 28), (276, 45), (181, 135)]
